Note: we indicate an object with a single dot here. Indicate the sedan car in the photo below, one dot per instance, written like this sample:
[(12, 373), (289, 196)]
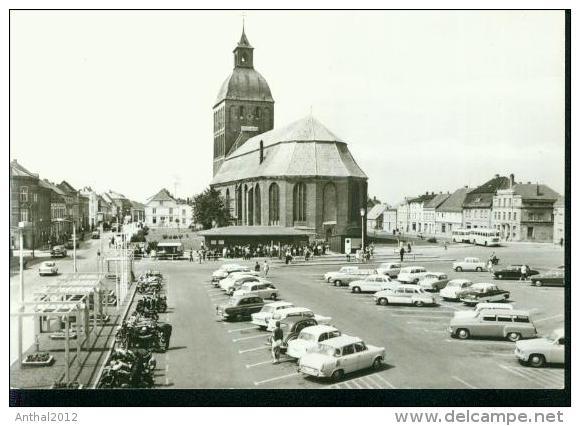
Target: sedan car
[(344, 269), (483, 292), (262, 318), (291, 327), (433, 281), (454, 287), (235, 280), (344, 278), (411, 274), (555, 277), (296, 312), (372, 284), (390, 269), (339, 356), (47, 268), (544, 350), (469, 264), (405, 295), (58, 251), (512, 272), (264, 289), (309, 338), (227, 269)]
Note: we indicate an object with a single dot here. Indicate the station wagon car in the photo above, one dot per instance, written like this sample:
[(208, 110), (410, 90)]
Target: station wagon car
[(483, 292), (543, 350), (469, 264), (227, 269), (47, 268), (411, 274), (390, 269), (484, 305), (343, 270), (291, 327), (512, 272), (339, 356), (512, 325), (262, 318), (296, 312), (240, 307), (264, 289), (372, 284), (433, 281), (555, 277), (235, 280), (405, 295), (309, 338), (344, 278), (454, 287)]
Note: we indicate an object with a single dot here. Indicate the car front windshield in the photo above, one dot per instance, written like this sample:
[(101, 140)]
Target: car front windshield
[(325, 350), (553, 336), (268, 309), (308, 337)]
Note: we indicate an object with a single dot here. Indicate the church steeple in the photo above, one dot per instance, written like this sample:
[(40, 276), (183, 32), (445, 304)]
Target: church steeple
[(244, 52)]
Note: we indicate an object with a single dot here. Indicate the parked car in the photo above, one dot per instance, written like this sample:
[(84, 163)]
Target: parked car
[(509, 324), (390, 269), (95, 235), (433, 281), (404, 294), (483, 292), (228, 269), (295, 312), (262, 318), (454, 287), (58, 251), (235, 280), (47, 268), (511, 272), (470, 264), (411, 274), (555, 277), (339, 356), (239, 307), (344, 278), (264, 289), (538, 352), (344, 269), (292, 326), (309, 338), (69, 244), (372, 284), (484, 305)]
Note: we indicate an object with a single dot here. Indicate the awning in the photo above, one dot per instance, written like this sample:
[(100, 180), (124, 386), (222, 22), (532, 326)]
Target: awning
[(256, 231)]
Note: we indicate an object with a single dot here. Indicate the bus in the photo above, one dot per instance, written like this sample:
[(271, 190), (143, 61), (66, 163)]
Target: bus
[(460, 236), (484, 236)]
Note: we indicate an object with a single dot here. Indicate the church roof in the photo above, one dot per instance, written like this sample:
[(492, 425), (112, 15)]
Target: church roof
[(303, 148), (244, 40), (244, 84), (162, 195), (17, 169)]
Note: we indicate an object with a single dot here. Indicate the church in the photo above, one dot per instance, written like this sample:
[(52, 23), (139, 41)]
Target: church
[(295, 180)]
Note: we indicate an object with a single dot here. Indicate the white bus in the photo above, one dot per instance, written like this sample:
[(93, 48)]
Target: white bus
[(460, 236), (484, 236)]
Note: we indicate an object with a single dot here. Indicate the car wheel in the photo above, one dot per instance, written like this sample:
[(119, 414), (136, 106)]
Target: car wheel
[(458, 269), (337, 283), (538, 283), (337, 375), (478, 269), (273, 296), (356, 289), (514, 337), (377, 363), (463, 334), (499, 276), (383, 301), (416, 280), (418, 303), (537, 360)]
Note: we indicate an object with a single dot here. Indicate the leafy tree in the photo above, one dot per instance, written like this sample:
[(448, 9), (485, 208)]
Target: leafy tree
[(209, 207)]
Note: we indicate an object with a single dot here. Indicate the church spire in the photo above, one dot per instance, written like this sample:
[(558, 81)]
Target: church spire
[(244, 52)]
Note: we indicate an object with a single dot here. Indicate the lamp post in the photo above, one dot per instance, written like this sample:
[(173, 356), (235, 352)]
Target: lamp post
[(362, 228), (21, 227)]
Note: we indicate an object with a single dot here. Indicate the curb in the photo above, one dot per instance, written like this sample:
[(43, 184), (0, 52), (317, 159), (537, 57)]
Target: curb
[(366, 263)]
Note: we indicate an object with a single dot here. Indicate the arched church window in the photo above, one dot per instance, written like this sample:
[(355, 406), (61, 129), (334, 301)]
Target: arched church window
[(274, 204), (250, 210), (241, 113), (258, 205), (258, 112), (329, 202), (299, 202), (228, 205)]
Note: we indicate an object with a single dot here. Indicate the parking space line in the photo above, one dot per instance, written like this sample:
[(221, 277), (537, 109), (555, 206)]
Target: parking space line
[(539, 376), (428, 317), (464, 382), (365, 383), (549, 318), (248, 338), (480, 342), (525, 376), (347, 385), (242, 329), (275, 378), (370, 378), (243, 351), (386, 381), (259, 363)]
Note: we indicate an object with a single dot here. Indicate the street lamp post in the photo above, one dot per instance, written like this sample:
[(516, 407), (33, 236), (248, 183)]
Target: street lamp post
[(362, 228), (74, 247), (21, 227)]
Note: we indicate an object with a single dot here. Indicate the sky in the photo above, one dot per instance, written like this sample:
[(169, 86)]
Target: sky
[(426, 100)]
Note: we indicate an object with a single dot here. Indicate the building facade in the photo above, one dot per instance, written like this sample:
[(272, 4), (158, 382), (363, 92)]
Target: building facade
[(137, 212), (559, 221), (381, 217), (430, 215), (163, 210), (478, 203), (449, 215), (120, 206), (61, 222)]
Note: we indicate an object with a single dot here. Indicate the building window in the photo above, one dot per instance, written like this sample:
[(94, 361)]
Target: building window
[(274, 204), (154, 211), (515, 216), (300, 202), (24, 215), (509, 215), (182, 212), (329, 203), (503, 216), (154, 219), (258, 205), (241, 112), (23, 194), (35, 197), (170, 210)]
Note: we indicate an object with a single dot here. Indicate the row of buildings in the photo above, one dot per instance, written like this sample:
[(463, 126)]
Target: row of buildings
[(50, 209), (519, 211)]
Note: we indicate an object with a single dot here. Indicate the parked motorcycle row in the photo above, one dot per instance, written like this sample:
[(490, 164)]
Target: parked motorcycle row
[(150, 282), (129, 369)]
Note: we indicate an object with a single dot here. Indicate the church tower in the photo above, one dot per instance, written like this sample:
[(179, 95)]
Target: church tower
[(244, 106)]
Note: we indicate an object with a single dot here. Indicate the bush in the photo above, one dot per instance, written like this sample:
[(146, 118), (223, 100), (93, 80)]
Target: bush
[(432, 240)]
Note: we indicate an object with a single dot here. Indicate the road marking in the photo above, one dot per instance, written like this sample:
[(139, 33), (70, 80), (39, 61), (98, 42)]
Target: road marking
[(422, 310), (386, 381), (275, 378), (549, 318), (259, 363), (464, 382), (525, 376), (370, 379), (363, 382), (243, 351), (248, 338), (242, 329), (428, 317), (479, 342)]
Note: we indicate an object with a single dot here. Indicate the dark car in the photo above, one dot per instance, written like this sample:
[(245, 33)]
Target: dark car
[(555, 277), (58, 251), (240, 307), (512, 272), (69, 243), (291, 327), (483, 292)]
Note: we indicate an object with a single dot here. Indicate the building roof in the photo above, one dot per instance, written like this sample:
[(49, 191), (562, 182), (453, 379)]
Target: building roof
[(115, 195), (244, 231), (137, 206), (436, 202), (244, 40), (454, 203), (482, 196), (302, 148), (66, 187), (376, 211), (16, 169), (245, 84), (422, 198), (162, 195), (535, 191), (49, 185)]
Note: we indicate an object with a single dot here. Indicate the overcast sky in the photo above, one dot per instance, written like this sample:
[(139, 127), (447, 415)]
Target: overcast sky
[(427, 101)]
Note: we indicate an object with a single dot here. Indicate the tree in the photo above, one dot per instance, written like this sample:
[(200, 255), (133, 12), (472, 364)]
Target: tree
[(209, 207)]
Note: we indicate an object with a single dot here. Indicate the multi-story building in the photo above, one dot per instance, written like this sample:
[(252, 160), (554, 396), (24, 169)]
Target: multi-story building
[(163, 210), (416, 213), (382, 217), (137, 212), (478, 202), (121, 206), (104, 212), (429, 213), (93, 206), (559, 221), (525, 212), (73, 210), (30, 204), (449, 215), (61, 222), (403, 215)]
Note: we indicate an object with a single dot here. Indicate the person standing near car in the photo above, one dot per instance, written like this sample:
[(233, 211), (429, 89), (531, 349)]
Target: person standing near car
[(524, 273), (266, 268), (277, 336), (402, 253)]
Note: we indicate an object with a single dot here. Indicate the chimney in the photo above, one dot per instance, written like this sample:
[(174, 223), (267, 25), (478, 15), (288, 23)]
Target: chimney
[(538, 189), (512, 180), (496, 176)]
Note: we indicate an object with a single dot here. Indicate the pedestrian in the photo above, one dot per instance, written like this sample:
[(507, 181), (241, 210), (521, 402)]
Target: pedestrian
[(277, 336), (199, 256), (191, 255), (445, 245), (408, 247), (402, 253), (266, 268), (524, 273), (257, 267)]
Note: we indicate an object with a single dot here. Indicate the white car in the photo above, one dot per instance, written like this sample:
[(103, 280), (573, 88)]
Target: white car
[(433, 281), (343, 270), (227, 269), (541, 351), (405, 295), (484, 305), (372, 284), (339, 356), (411, 274), (390, 269), (47, 268), (309, 338), (296, 312), (262, 318), (470, 264), (453, 288), (235, 280), (264, 289)]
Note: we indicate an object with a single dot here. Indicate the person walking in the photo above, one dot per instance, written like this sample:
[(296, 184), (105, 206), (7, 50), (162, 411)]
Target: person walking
[(277, 336), (408, 247), (524, 273), (257, 267), (445, 245), (191, 255), (402, 253), (266, 268)]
